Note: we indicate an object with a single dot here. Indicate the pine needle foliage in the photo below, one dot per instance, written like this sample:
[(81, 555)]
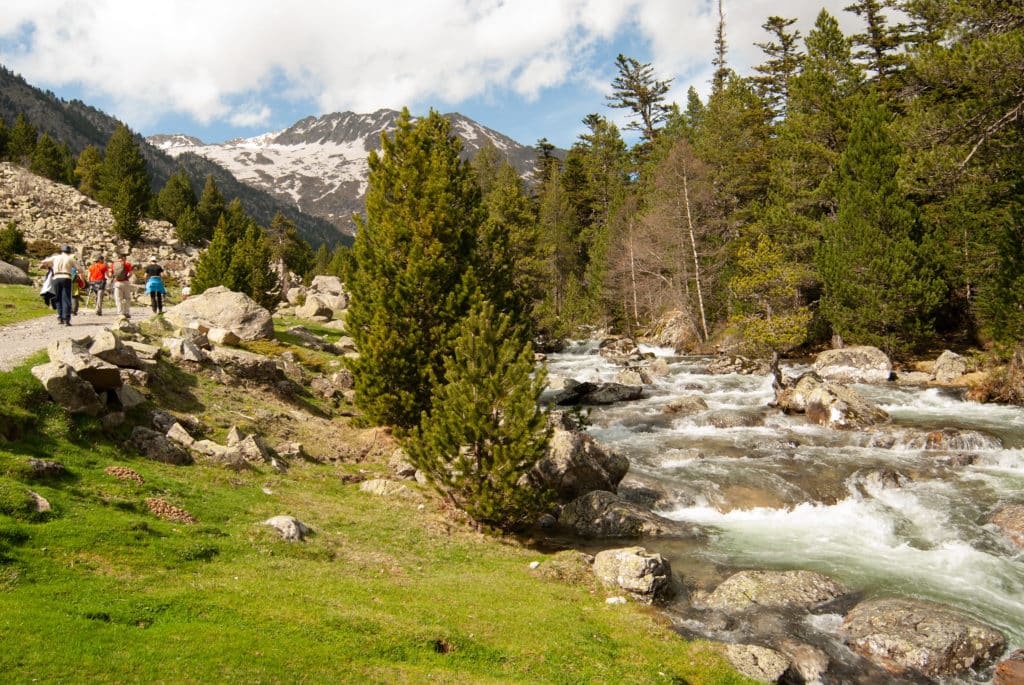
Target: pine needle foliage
[(485, 431)]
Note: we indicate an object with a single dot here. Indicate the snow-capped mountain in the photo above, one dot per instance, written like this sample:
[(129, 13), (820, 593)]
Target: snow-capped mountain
[(319, 164)]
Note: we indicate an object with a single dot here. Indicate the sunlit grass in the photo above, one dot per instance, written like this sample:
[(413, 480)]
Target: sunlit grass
[(20, 303)]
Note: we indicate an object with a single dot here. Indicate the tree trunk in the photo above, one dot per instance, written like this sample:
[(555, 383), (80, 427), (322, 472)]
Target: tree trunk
[(696, 260)]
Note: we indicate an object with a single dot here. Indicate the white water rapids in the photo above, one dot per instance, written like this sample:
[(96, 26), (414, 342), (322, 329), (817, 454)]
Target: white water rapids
[(875, 510)]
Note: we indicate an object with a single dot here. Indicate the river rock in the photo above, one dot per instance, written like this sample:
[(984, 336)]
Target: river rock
[(1010, 519), (727, 364), (620, 350), (759, 663), (955, 439), (13, 275), (289, 528), (773, 590), (949, 367), (836, 406), (576, 464), (1011, 670), (220, 307), (690, 404), (68, 389), (809, 662), (575, 392), (633, 376), (645, 576), (904, 634), (858, 364), (602, 514)]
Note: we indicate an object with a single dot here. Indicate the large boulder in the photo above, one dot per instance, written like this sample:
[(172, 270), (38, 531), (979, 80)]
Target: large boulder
[(620, 350), (222, 308), (858, 364), (314, 308), (331, 290), (645, 576), (577, 464), (829, 404), (912, 635), (949, 367), (575, 392), (601, 514), (102, 375), (13, 275), (68, 389), (773, 590), (112, 350)]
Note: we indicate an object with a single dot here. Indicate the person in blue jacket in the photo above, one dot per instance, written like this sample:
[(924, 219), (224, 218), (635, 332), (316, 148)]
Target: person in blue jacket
[(155, 286)]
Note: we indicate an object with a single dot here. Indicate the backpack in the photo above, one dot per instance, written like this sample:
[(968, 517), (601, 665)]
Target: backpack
[(120, 273)]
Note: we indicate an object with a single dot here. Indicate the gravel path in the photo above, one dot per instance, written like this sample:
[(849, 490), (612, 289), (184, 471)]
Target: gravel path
[(18, 341)]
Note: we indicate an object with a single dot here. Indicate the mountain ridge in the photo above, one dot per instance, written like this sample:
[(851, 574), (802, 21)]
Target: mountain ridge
[(320, 163)]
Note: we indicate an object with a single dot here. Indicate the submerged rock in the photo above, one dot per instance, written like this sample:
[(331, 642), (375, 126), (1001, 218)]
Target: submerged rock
[(601, 514), (904, 634)]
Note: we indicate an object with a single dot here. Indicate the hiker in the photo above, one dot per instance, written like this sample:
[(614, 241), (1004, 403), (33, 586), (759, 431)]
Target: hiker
[(155, 286), (98, 274), (62, 264), (121, 272), (77, 288)]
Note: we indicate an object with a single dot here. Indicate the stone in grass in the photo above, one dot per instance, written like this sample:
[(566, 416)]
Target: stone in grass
[(289, 528), (645, 576)]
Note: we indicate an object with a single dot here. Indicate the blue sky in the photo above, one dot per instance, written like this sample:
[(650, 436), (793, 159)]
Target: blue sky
[(221, 69)]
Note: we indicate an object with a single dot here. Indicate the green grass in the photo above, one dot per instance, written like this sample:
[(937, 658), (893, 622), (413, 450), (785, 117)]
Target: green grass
[(20, 303), (385, 590)]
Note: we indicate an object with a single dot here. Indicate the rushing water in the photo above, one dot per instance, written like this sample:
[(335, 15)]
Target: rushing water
[(875, 510)]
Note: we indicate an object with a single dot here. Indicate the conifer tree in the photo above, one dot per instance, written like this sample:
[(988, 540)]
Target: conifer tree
[(321, 262), (879, 287), (22, 142), (51, 160), (880, 43), (212, 266), (636, 89), (87, 171), (175, 196), (288, 246), (211, 205), (250, 269), (484, 431), (128, 207), (124, 178), (5, 137), (414, 252), (187, 228), (782, 65)]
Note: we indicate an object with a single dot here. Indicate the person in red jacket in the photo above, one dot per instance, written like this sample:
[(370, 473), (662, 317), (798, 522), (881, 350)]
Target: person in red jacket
[(98, 274)]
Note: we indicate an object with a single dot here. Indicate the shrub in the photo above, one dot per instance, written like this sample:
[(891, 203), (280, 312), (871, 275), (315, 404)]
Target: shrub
[(12, 242)]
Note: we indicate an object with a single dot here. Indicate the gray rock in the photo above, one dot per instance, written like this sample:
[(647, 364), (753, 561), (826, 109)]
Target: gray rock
[(314, 307), (244, 365), (754, 661), (221, 308), (620, 350), (685, 406), (829, 404), (601, 514), (46, 468), (68, 389), (949, 367), (100, 374), (575, 392), (290, 528), (383, 487), (645, 576), (331, 290), (576, 464), (157, 447), (181, 349), (904, 634), (858, 364), (110, 349), (178, 434), (13, 275), (128, 397), (40, 503), (727, 364), (774, 590), (222, 336)]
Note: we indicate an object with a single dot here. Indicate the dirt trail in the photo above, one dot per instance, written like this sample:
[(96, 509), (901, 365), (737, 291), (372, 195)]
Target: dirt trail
[(19, 340)]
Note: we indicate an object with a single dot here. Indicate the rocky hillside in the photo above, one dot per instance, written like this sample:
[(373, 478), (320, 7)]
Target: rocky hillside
[(320, 164), (48, 211), (80, 125)]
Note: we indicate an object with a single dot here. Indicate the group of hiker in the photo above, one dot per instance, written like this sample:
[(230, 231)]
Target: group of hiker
[(66, 281)]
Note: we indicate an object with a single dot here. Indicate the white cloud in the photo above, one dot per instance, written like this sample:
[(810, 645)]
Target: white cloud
[(200, 57)]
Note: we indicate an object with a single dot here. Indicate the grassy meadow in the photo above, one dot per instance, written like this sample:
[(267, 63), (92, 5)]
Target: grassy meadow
[(20, 303), (386, 589)]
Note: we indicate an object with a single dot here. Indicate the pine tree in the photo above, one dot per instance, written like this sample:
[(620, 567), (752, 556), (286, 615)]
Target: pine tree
[(124, 178), (880, 43), (879, 286), (250, 269), (51, 161), (211, 205), (765, 293), (636, 89), (212, 265), (484, 431), (414, 252), (288, 246), (782, 64), (187, 228), (721, 75), (128, 207), (87, 171), (176, 195), (22, 142)]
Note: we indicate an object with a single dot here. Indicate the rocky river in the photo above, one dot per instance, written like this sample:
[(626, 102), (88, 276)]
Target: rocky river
[(901, 510)]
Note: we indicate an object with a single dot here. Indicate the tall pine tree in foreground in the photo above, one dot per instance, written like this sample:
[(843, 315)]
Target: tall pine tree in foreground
[(484, 431), (414, 278), (879, 287)]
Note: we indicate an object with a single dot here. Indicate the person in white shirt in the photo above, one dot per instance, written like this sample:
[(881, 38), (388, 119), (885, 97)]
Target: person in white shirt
[(62, 264)]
